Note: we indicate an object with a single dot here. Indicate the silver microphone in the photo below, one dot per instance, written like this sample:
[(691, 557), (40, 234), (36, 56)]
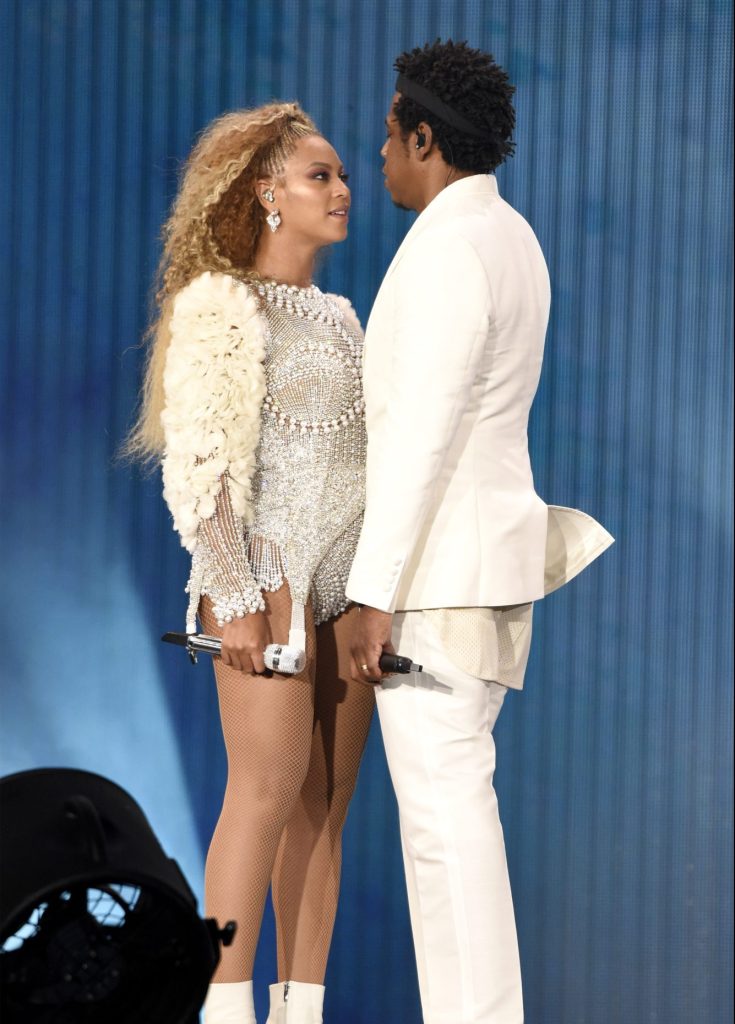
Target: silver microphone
[(284, 658)]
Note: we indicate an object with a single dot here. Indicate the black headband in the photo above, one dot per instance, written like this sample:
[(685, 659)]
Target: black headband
[(436, 106)]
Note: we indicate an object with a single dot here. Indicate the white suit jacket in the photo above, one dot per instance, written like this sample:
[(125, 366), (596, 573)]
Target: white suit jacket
[(453, 351)]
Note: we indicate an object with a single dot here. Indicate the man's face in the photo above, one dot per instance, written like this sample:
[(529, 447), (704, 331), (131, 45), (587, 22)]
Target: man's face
[(399, 165)]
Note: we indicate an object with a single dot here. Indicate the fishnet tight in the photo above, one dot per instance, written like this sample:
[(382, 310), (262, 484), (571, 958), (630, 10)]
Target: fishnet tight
[(293, 750)]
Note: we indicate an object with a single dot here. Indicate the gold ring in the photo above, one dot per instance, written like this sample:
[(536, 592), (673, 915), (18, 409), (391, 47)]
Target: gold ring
[(364, 668)]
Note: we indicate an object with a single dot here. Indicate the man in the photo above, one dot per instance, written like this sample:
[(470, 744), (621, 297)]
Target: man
[(454, 546)]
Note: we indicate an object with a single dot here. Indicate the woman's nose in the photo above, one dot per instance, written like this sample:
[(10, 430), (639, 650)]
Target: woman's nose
[(383, 149)]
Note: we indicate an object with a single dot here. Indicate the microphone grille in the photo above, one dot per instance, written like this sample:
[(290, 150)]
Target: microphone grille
[(285, 659)]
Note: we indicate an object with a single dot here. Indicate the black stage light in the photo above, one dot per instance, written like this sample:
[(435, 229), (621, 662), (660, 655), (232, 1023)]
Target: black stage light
[(97, 924)]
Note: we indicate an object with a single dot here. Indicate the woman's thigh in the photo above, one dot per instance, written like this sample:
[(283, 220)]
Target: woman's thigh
[(342, 708), (266, 721)]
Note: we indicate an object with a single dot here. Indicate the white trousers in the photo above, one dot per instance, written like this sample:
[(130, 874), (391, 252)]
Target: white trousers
[(437, 730)]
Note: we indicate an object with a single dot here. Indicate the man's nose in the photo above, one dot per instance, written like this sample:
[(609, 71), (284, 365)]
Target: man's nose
[(383, 149)]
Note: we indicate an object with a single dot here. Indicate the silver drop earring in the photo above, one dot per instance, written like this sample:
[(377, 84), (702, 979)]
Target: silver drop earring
[(274, 218)]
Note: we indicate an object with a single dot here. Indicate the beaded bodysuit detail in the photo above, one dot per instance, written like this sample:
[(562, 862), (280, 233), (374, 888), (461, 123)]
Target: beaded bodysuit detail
[(309, 484)]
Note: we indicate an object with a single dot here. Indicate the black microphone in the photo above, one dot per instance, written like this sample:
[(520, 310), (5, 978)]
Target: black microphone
[(397, 663)]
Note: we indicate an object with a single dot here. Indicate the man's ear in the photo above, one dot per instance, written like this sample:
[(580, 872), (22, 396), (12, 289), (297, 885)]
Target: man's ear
[(424, 140), (265, 190)]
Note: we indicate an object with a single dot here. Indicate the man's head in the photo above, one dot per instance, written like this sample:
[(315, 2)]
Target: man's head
[(451, 116)]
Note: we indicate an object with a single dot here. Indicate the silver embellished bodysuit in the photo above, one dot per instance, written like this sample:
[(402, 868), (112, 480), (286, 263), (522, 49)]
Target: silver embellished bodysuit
[(309, 484)]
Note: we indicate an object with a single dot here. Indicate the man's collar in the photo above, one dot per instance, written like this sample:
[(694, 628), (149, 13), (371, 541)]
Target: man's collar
[(475, 184), (485, 184)]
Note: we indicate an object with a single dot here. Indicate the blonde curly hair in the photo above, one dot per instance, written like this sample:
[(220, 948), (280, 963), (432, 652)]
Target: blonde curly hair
[(215, 224)]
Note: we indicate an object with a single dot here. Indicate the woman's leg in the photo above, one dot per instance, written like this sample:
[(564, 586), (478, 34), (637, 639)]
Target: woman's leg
[(307, 871), (267, 727)]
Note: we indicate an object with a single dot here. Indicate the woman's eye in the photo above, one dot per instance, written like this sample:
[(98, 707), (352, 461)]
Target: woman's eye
[(344, 176)]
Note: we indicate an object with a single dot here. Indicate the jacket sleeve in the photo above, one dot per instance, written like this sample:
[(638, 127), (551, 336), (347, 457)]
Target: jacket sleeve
[(214, 385), (439, 329)]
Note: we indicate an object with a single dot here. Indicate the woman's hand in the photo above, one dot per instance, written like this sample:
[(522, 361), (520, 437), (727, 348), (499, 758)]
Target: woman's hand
[(243, 643)]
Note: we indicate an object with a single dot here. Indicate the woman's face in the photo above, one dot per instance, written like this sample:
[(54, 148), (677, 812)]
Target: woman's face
[(312, 195)]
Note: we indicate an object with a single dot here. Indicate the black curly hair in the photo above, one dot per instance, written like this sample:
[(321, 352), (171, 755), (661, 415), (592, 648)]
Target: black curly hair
[(472, 84)]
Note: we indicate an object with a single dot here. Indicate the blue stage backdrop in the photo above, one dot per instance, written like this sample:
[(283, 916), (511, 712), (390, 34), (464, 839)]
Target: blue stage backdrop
[(615, 764)]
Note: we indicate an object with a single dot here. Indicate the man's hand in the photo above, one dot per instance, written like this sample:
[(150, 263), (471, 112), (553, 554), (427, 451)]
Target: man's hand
[(370, 639)]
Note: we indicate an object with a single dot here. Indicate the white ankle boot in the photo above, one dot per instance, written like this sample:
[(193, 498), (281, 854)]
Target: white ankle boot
[(230, 1002), (296, 1002)]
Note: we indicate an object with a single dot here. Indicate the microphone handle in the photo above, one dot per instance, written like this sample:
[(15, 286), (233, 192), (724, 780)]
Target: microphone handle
[(397, 663), (212, 644)]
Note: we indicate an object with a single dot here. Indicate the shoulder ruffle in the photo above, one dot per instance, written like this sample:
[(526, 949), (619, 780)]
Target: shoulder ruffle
[(348, 312), (214, 385)]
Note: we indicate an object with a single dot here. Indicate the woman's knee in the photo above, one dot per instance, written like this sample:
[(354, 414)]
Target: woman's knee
[(327, 799), (270, 787)]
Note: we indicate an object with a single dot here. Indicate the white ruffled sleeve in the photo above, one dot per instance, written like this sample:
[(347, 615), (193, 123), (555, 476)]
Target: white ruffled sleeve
[(214, 386), (348, 312)]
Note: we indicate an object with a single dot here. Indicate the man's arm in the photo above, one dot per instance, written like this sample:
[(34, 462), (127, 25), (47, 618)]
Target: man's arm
[(439, 331)]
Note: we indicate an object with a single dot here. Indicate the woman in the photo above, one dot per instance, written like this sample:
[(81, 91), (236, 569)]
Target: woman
[(253, 399)]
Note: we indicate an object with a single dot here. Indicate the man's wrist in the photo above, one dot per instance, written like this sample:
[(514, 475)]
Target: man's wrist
[(372, 610)]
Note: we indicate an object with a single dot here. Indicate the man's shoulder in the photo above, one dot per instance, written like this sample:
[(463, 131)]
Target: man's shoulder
[(487, 227), (452, 248), (473, 219)]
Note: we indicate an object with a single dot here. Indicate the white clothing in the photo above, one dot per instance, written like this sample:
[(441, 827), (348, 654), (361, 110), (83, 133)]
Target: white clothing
[(437, 730), (487, 643), (453, 352), (458, 544)]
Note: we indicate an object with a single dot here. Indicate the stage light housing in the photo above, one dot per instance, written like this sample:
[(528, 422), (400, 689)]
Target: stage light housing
[(97, 924)]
